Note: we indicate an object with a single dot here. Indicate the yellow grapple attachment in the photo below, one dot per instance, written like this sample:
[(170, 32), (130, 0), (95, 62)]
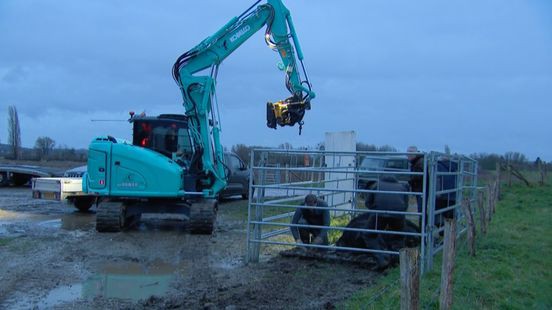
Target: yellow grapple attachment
[(285, 112)]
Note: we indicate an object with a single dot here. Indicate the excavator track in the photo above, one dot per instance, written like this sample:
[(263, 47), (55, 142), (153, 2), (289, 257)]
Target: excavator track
[(203, 216), (108, 217)]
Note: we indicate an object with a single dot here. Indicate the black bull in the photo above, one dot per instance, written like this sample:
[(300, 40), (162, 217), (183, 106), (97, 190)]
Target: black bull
[(378, 241)]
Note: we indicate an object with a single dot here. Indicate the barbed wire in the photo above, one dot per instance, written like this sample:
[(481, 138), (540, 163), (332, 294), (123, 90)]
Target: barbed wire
[(383, 291)]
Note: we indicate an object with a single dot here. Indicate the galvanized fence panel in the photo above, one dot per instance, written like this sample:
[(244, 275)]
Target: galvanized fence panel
[(340, 178)]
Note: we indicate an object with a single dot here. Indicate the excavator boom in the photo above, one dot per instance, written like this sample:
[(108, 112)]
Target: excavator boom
[(198, 90), (175, 162)]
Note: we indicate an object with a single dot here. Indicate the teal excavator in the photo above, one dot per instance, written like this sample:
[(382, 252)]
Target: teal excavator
[(174, 163)]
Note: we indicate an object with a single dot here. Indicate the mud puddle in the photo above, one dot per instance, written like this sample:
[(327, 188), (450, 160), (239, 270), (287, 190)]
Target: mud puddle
[(128, 281), (13, 217), (78, 221), (57, 296), (229, 264), (132, 281), (34, 227), (16, 223)]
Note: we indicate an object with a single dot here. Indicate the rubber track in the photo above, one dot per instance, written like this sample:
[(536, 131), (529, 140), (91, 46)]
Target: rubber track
[(108, 217), (202, 217)]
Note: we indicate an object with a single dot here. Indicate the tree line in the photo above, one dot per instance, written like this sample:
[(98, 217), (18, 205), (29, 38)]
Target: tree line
[(45, 149), (244, 151), (486, 161)]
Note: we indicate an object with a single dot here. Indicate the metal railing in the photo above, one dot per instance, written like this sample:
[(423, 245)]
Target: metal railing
[(345, 182)]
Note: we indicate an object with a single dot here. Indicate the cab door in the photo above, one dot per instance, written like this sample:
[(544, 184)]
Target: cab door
[(238, 180)]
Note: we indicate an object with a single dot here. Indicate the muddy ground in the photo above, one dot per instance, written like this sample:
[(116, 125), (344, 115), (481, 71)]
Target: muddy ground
[(52, 257)]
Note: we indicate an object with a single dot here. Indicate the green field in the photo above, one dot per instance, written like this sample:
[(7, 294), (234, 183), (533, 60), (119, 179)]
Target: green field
[(512, 268)]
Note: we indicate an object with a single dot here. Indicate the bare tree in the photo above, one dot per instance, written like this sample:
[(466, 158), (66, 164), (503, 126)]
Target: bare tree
[(485, 160), (387, 148), (43, 146), (285, 146), (365, 147), (360, 146), (243, 151), (516, 158), (14, 133)]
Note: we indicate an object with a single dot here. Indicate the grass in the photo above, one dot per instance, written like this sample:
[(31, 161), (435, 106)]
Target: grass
[(237, 209), (512, 269), (5, 241)]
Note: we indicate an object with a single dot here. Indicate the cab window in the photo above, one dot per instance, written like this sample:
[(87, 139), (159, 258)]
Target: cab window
[(163, 136), (233, 162)]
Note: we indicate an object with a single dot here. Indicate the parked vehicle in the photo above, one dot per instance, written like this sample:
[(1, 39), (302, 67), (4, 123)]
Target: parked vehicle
[(67, 188), (75, 172), (21, 175), (373, 167), (238, 177)]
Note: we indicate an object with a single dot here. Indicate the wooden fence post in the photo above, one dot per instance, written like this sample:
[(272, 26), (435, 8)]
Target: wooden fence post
[(449, 252), (498, 178), (541, 172), (496, 197), (482, 213), (410, 278), (286, 174), (466, 207), (495, 200), (490, 196)]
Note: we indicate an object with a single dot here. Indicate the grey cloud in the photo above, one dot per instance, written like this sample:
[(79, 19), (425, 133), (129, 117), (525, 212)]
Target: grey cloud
[(15, 74), (372, 64)]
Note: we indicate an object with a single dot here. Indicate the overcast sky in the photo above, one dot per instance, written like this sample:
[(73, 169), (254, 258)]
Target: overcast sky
[(476, 75)]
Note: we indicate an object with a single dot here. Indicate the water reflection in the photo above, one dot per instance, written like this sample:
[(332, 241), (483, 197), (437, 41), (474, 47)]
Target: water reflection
[(6, 216), (60, 295), (130, 280), (78, 221)]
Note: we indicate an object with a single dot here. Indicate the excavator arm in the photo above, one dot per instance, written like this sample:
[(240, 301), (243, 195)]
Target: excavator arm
[(198, 91)]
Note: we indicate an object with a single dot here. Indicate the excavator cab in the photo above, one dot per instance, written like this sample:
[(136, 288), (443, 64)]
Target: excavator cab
[(166, 134)]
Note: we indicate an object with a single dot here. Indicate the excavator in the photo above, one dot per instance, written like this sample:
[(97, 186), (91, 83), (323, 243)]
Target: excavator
[(174, 163)]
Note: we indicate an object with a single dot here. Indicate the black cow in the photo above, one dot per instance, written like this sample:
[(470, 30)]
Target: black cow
[(377, 241)]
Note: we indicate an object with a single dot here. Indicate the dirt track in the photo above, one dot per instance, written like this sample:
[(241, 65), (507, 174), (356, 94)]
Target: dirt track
[(52, 257)]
